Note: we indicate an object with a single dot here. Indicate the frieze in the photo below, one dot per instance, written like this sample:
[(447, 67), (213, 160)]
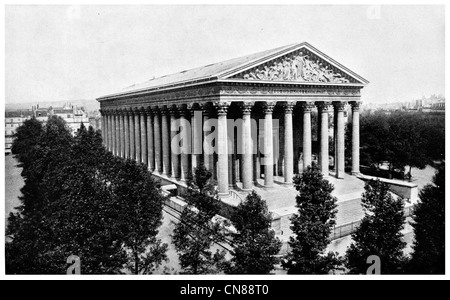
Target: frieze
[(298, 66)]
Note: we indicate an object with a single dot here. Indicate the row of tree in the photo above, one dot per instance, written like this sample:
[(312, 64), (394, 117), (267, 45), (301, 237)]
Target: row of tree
[(399, 139), (255, 244), (80, 199), (380, 231)]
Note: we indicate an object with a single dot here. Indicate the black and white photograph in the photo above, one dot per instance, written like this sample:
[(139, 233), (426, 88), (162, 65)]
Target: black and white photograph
[(222, 140)]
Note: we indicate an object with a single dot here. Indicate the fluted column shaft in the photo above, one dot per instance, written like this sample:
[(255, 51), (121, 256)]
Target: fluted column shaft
[(324, 110), (186, 147), (116, 134), (132, 140), (307, 144), (268, 143), (150, 141), (157, 140), (355, 137), (340, 160), (208, 159), (174, 156), (247, 143), (197, 131), (165, 136), (137, 136), (143, 129), (288, 143), (121, 134), (126, 135), (222, 143)]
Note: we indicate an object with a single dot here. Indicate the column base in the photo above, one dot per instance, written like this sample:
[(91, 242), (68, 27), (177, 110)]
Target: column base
[(355, 173)]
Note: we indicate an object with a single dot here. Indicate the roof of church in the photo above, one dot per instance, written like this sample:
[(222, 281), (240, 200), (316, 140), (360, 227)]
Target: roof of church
[(222, 69)]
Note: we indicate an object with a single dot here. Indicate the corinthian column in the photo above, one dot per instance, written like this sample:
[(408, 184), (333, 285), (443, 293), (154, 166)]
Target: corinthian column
[(157, 140), (121, 134), (324, 110), (307, 107), (339, 107), (131, 125), (165, 136), (150, 141), (268, 143), (196, 127), (143, 136), (222, 143), (355, 137), (174, 156), (103, 113), (247, 143), (208, 158), (116, 133), (186, 149), (137, 136), (126, 134), (288, 142)]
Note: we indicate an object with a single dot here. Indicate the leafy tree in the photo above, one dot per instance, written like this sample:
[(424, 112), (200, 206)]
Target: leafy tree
[(79, 199), (139, 218), (255, 244), (196, 232), (428, 255), (312, 226), (25, 138), (379, 232), (400, 139)]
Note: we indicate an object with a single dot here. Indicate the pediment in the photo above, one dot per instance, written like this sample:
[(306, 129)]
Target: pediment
[(300, 65)]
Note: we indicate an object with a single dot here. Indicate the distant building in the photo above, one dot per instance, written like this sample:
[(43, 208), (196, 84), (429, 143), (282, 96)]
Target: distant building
[(13, 119), (73, 116)]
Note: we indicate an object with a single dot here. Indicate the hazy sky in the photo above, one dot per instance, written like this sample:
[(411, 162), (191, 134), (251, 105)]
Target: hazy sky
[(67, 53)]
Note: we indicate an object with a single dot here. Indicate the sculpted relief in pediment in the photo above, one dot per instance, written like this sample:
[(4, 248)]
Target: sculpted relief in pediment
[(301, 66)]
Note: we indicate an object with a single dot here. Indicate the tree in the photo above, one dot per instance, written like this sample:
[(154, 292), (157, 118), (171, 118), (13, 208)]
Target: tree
[(25, 138), (379, 232), (312, 226), (255, 244), (428, 256), (139, 218), (80, 200), (196, 232)]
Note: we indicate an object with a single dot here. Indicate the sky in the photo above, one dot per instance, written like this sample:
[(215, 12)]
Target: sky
[(63, 53)]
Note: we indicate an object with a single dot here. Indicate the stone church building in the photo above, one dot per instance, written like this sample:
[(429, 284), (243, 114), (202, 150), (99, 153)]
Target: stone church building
[(278, 88)]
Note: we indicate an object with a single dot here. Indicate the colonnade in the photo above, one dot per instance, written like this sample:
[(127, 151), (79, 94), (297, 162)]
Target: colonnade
[(145, 135)]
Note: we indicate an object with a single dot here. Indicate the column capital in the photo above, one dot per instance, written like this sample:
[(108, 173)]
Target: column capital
[(173, 110), (246, 107), (141, 111), (222, 107), (268, 106), (155, 109), (164, 110), (355, 105), (307, 106), (339, 105), (148, 110), (288, 106), (194, 106), (324, 106)]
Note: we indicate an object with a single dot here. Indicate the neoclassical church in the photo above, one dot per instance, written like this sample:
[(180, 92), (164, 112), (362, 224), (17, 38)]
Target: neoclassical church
[(278, 88)]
